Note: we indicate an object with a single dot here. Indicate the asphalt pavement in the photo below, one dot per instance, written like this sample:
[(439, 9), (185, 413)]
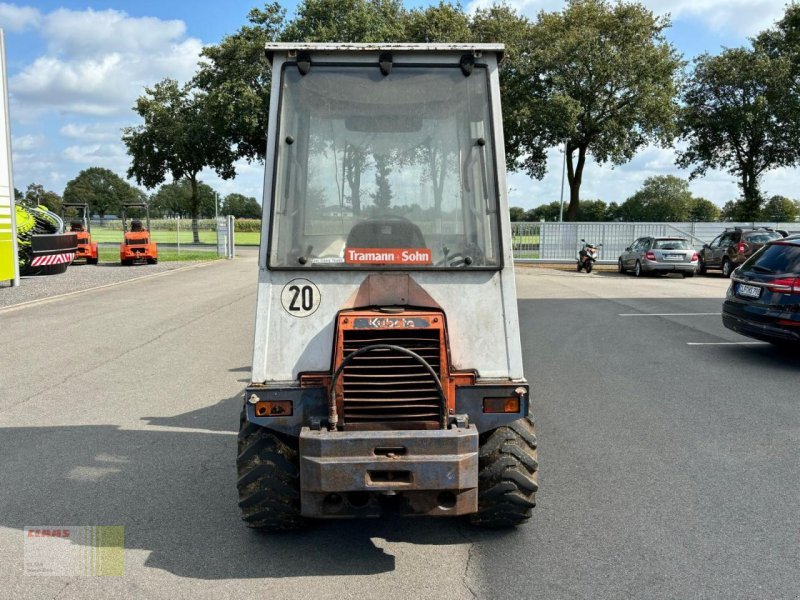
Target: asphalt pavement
[(668, 448)]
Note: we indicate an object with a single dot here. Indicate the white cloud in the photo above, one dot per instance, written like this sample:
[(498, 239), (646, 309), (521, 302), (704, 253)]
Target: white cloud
[(26, 143), (98, 62), (529, 8), (743, 17), (249, 180), (92, 132), (89, 32), (18, 18), (110, 156)]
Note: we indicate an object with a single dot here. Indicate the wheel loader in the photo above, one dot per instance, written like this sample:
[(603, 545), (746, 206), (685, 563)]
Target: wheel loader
[(137, 244), (387, 370), (81, 226)]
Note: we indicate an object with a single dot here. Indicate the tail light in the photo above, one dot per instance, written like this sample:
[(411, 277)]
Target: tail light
[(650, 255), (695, 257), (785, 285), (742, 248), (788, 323)]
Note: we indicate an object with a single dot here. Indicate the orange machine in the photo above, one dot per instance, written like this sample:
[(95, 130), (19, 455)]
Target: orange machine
[(86, 249), (136, 244)]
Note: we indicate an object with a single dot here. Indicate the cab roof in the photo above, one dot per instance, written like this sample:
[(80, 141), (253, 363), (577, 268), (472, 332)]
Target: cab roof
[(289, 47)]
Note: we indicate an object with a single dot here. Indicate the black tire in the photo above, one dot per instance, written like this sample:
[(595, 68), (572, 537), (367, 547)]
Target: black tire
[(152, 261), (620, 266), (91, 261), (508, 476), (701, 267), (126, 262), (268, 467), (578, 267), (637, 270), (589, 267), (727, 267)]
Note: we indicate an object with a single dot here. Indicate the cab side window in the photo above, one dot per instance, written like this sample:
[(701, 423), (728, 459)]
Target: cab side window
[(716, 242), (727, 240)]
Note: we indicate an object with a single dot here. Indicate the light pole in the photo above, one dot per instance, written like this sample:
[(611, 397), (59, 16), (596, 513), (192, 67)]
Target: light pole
[(563, 172), (216, 217)]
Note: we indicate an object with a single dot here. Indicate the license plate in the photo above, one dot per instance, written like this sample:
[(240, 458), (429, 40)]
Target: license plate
[(673, 256), (748, 291)]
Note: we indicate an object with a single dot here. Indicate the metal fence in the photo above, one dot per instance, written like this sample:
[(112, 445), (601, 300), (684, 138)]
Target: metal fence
[(560, 242)]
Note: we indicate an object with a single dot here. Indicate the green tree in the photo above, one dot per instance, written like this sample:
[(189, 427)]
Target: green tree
[(102, 189), (779, 209), (701, 209), (730, 211), (236, 76), (731, 120), (501, 23), (782, 43), (443, 22), (517, 214), (599, 78), (592, 210), (613, 212), (547, 212), (347, 21), (662, 198), (182, 134), (36, 195), (241, 207), (175, 200)]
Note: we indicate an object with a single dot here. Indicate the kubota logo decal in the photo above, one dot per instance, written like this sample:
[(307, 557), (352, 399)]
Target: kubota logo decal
[(387, 256), (391, 323)]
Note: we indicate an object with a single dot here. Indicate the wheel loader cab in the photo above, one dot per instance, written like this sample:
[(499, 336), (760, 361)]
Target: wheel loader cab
[(387, 352), (78, 215), (137, 244)]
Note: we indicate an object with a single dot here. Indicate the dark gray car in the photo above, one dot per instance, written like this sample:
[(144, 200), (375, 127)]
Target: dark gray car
[(659, 255)]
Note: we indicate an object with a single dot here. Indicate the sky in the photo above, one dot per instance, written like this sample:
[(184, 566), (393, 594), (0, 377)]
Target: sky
[(75, 69)]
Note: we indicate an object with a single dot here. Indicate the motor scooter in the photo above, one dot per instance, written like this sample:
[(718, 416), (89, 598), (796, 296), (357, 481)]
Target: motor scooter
[(587, 256)]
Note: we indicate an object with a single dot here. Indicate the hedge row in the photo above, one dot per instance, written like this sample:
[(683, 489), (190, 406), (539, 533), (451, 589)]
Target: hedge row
[(185, 224)]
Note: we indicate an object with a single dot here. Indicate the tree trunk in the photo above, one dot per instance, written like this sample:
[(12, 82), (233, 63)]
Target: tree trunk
[(574, 177), (194, 202), (751, 201)]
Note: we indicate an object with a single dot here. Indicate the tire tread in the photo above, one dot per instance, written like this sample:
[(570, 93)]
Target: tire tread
[(508, 475)]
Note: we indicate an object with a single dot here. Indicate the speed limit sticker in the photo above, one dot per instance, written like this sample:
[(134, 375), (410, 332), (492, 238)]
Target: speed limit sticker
[(300, 298)]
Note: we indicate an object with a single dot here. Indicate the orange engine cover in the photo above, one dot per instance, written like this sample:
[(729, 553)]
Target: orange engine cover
[(386, 388)]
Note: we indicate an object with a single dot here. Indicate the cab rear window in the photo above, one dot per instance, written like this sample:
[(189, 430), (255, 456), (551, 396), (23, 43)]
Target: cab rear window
[(762, 237), (671, 245), (777, 258)]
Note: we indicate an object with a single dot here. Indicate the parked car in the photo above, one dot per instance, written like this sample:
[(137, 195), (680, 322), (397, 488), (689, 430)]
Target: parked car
[(659, 255), (763, 300), (732, 247)]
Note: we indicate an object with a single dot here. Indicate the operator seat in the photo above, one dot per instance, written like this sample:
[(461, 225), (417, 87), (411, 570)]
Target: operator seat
[(76, 226), (385, 232), (136, 225)]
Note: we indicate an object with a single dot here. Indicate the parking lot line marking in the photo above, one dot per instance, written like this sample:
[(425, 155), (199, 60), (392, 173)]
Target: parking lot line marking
[(669, 314), (727, 343)]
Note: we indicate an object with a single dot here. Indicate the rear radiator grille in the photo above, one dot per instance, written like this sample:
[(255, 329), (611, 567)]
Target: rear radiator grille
[(387, 388)]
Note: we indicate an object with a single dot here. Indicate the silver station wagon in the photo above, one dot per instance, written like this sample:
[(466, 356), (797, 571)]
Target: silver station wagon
[(659, 255)]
